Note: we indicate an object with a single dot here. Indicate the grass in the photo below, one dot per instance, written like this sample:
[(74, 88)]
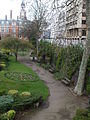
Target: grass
[(37, 87)]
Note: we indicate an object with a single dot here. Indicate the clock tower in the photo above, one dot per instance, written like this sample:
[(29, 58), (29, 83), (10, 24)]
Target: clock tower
[(23, 11)]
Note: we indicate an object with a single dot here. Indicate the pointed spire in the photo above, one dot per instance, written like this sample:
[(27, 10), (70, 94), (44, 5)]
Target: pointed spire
[(23, 4)]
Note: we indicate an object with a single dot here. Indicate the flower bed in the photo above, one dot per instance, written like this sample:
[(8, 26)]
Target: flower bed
[(20, 76)]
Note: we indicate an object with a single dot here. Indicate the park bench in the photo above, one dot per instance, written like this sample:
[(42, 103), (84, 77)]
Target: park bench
[(51, 70), (66, 81)]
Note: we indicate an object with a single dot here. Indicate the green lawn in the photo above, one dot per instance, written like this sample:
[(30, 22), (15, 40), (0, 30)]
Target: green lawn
[(37, 87)]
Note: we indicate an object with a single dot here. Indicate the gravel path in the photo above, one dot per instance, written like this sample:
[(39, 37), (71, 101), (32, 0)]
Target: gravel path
[(62, 103)]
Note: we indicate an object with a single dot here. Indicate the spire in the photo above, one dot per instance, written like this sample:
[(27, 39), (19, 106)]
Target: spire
[(23, 11), (22, 4)]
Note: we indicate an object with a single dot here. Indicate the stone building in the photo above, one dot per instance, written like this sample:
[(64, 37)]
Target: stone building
[(76, 19)]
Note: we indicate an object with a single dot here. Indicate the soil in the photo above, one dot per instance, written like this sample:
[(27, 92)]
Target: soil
[(61, 104)]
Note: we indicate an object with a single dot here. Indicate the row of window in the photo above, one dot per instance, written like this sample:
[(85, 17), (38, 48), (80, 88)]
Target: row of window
[(7, 29)]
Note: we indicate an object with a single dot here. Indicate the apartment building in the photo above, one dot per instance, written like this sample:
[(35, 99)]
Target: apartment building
[(11, 26), (76, 19)]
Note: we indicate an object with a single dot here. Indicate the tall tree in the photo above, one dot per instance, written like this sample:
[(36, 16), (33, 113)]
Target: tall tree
[(38, 23), (81, 79)]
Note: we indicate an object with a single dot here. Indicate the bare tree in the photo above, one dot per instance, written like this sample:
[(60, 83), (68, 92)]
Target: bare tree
[(39, 20)]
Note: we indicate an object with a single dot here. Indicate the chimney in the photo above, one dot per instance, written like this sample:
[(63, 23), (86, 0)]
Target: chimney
[(5, 17), (10, 14), (17, 17)]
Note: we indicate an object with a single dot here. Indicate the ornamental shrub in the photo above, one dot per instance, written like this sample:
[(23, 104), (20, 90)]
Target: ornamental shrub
[(82, 114), (2, 92), (22, 103), (6, 102), (4, 117), (11, 114), (25, 94), (13, 92), (8, 115)]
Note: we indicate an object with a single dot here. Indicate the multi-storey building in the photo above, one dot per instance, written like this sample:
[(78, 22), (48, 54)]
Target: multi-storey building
[(61, 24), (76, 19), (13, 27)]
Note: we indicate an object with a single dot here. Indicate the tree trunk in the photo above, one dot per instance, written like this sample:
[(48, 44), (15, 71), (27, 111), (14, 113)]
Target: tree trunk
[(81, 79), (16, 56)]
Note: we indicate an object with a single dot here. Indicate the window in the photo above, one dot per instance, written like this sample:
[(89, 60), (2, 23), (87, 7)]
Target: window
[(13, 29), (83, 14), (83, 32), (84, 6), (2, 29), (83, 21), (7, 29), (2, 22)]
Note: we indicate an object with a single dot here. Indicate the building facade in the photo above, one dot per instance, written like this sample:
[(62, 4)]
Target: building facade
[(76, 19), (13, 27)]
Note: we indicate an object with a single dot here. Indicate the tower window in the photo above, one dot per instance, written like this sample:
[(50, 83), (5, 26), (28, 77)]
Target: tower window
[(83, 14), (83, 32), (83, 21)]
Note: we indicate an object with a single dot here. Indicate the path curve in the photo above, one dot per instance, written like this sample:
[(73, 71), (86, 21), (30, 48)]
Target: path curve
[(62, 104)]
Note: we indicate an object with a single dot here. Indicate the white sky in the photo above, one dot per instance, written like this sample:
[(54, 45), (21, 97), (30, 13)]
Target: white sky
[(15, 5), (7, 5)]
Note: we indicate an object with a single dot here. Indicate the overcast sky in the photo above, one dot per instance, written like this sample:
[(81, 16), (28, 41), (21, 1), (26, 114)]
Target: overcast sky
[(15, 5), (7, 5)]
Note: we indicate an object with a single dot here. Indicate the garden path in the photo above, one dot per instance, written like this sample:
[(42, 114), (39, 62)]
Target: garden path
[(62, 104)]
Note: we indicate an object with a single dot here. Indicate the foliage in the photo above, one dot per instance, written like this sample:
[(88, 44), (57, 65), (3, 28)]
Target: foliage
[(8, 115), (2, 66), (3, 56), (11, 114), (88, 77), (82, 114), (65, 60), (5, 51), (46, 52), (58, 75), (13, 92), (14, 45), (2, 92), (69, 60), (25, 94), (21, 103), (20, 76), (5, 102), (29, 86)]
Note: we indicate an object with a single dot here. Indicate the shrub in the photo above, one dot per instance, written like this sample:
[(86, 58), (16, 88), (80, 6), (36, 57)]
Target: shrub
[(13, 92), (3, 56), (11, 114), (25, 94), (68, 60), (4, 117), (82, 114), (2, 92), (6, 102), (88, 77), (21, 103), (8, 116), (2, 65)]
